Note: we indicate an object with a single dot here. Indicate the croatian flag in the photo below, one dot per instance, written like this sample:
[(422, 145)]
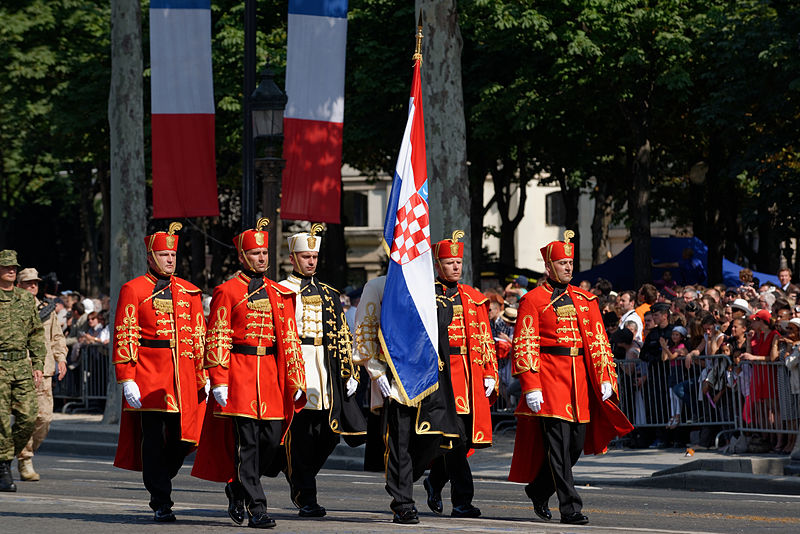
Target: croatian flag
[(409, 328), (312, 126), (184, 167)]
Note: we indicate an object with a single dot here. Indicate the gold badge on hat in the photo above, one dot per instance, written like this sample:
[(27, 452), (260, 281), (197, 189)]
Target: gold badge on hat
[(262, 223), (312, 241), (458, 234), (569, 234), (173, 227)]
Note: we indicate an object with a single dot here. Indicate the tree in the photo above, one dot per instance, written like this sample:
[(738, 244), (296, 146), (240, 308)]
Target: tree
[(125, 115), (445, 128)]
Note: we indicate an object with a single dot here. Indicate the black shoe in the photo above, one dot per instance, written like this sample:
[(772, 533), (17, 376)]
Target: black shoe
[(236, 509), (465, 510), (575, 518), (164, 515), (407, 516), (6, 480), (434, 497), (543, 511), (312, 510), (261, 520)]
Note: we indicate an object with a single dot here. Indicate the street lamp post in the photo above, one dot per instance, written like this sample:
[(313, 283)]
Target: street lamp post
[(248, 143), (267, 104)]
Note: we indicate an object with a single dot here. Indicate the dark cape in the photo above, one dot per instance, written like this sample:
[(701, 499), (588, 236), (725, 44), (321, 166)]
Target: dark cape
[(437, 427), (345, 416)]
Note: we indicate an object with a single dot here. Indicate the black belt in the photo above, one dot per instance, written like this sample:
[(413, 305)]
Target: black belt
[(311, 341), (456, 350), (156, 343), (253, 350), (561, 351)]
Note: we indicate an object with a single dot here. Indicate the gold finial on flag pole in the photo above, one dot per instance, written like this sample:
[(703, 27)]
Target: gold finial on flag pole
[(418, 53)]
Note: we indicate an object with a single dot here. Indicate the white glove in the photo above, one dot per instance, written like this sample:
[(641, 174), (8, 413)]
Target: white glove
[(298, 394), (383, 385), (208, 387), (489, 383), (534, 399), (221, 394), (352, 386), (605, 390), (132, 395)]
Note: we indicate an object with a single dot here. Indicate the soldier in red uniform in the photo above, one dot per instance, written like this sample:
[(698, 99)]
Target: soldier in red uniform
[(255, 364), (473, 373), (158, 356), (565, 367)]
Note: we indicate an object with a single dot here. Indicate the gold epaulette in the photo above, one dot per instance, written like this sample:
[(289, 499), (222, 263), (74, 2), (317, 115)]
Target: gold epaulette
[(283, 290), (329, 287), (188, 287), (585, 294)]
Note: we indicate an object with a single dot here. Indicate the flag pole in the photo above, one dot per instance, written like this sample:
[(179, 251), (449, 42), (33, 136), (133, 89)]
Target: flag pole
[(418, 53)]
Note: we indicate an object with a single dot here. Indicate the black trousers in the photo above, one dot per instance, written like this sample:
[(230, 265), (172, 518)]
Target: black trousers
[(399, 466), (163, 453), (454, 467), (563, 443), (308, 444), (257, 443)]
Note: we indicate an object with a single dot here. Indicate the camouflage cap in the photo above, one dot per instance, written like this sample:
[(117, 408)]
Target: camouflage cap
[(28, 275), (8, 258)]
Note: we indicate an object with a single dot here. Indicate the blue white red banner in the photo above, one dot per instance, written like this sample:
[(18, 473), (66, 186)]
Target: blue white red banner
[(184, 163), (409, 328), (312, 146)]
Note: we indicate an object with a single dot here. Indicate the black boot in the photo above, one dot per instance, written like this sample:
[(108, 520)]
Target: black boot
[(6, 480)]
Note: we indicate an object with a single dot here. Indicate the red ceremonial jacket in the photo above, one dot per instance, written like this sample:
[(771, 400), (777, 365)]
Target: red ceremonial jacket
[(472, 358), (260, 386), (570, 381), (158, 343)]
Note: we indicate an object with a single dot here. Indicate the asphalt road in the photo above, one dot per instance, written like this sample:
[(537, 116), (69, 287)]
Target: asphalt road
[(83, 495)]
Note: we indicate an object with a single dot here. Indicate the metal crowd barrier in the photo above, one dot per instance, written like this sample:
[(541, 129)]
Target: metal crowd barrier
[(766, 402), (668, 394), (86, 384)]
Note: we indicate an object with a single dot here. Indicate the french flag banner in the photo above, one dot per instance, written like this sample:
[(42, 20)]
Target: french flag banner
[(184, 165), (312, 125), (409, 329)]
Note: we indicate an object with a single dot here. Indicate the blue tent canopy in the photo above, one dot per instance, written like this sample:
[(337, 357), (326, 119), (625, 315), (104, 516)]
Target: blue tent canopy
[(619, 269), (730, 275)]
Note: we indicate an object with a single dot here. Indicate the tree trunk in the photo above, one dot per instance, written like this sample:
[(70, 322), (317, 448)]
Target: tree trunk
[(125, 114), (445, 126), (638, 199), (601, 220), (570, 197)]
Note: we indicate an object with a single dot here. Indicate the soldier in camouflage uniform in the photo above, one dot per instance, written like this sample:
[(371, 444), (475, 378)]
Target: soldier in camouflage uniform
[(21, 334), (56, 360)]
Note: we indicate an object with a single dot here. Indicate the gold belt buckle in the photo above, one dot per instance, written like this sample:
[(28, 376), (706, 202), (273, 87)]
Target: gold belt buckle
[(573, 351), (318, 341), (261, 351), (172, 343), (463, 349)]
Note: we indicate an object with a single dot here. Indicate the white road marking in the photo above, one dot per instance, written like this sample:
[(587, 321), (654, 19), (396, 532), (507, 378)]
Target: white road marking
[(85, 461)]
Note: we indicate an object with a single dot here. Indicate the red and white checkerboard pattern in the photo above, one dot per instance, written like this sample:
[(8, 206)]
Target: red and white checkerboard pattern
[(412, 232)]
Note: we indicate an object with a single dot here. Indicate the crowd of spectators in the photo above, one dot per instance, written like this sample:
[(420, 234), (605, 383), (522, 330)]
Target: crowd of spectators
[(709, 357), (691, 358), (84, 320)]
